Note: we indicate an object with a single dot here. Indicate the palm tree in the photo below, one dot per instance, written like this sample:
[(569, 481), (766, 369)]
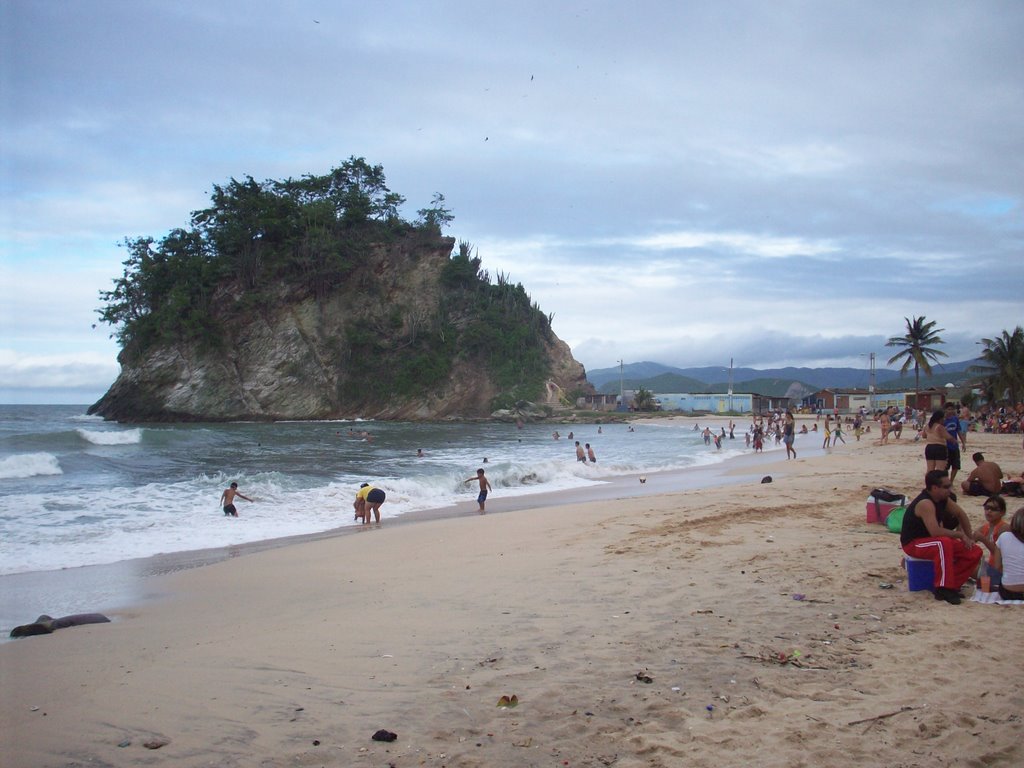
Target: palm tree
[(1004, 365), (918, 349)]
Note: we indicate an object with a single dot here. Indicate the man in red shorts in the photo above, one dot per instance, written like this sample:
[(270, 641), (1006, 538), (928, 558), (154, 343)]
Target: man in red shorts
[(936, 528)]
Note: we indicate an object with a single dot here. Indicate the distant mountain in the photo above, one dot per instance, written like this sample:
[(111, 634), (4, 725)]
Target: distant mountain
[(770, 381), (663, 382)]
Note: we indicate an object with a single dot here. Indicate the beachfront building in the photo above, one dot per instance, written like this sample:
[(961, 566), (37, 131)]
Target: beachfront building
[(706, 402), (853, 400), (721, 402), (846, 400), (690, 402), (598, 402)]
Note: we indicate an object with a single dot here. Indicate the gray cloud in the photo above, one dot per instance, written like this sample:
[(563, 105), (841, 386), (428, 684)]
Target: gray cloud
[(778, 183)]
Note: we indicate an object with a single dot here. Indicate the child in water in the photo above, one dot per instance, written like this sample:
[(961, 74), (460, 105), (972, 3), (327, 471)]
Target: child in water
[(485, 486)]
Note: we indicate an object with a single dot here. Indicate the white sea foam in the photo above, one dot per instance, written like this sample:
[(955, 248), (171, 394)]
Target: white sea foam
[(29, 465), (111, 505), (111, 437), (73, 529)]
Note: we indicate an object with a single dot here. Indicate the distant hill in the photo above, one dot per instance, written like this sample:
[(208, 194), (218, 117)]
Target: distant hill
[(663, 382), (777, 382)]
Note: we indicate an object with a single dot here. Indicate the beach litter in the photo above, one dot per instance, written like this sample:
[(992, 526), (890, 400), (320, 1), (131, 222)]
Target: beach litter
[(383, 735), (644, 678), (508, 701), (792, 658)]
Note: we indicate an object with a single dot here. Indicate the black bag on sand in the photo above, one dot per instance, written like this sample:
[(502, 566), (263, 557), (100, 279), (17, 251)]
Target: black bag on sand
[(881, 494)]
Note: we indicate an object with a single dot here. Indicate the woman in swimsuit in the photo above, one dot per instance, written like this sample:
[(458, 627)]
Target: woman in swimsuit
[(936, 454)]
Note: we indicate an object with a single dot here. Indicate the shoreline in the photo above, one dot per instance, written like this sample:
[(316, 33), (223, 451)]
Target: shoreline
[(127, 584), (770, 625)]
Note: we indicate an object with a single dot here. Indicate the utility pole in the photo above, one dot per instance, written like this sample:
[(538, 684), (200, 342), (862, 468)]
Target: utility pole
[(730, 385), (622, 391)]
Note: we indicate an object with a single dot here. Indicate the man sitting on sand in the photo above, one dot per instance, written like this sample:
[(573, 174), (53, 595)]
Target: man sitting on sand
[(936, 528), (986, 479)]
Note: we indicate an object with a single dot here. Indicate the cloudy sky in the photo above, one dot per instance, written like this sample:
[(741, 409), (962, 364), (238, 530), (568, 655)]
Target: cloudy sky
[(780, 183)]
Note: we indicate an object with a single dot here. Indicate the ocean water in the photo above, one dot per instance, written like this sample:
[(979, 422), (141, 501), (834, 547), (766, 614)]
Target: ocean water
[(76, 490)]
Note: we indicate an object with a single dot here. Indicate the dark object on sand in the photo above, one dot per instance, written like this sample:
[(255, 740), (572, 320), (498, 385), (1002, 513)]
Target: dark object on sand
[(44, 625), (383, 735), (884, 494), (766, 479)]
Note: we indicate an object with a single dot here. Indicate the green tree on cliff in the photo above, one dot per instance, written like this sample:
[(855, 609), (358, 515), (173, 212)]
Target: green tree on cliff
[(262, 245)]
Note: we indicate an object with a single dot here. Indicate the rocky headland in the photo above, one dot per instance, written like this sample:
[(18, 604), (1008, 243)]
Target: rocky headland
[(255, 319)]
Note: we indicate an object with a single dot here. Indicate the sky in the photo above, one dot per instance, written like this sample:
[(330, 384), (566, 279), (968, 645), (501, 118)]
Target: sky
[(772, 183)]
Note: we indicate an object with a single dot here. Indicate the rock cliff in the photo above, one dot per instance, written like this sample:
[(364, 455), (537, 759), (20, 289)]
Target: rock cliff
[(403, 336)]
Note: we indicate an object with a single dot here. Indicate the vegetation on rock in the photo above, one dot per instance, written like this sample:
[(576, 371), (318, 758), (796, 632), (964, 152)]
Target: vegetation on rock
[(262, 247)]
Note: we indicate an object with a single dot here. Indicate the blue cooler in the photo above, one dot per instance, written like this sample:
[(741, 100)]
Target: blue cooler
[(920, 574)]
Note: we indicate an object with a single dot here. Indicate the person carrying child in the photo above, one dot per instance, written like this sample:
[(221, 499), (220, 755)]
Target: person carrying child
[(368, 500)]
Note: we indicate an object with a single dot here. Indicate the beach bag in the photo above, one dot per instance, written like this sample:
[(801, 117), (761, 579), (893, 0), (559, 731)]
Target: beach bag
[(894, 522), (883, 494)]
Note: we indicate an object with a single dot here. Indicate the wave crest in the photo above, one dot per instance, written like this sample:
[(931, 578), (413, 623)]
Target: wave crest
[(107, 437), (29, 465)]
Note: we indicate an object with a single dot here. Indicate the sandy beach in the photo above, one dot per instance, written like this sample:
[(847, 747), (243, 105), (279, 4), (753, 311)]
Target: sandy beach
[(728, 626)]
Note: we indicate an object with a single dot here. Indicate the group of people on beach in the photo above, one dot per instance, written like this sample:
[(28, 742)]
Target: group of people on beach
[(935, 526), (778, 425)]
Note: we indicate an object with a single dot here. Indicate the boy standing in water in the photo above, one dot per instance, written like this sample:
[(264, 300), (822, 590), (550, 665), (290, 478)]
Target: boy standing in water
[(485, 486), (228, 497)]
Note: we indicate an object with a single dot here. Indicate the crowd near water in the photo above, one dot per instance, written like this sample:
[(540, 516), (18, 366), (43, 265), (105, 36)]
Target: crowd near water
[(76, 490)]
